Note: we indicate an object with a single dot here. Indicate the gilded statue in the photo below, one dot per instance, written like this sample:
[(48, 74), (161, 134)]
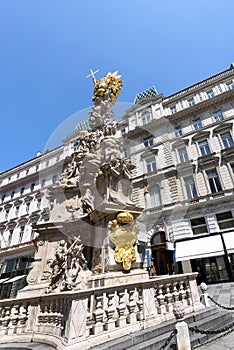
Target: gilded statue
[(110, 84), (124, 237)]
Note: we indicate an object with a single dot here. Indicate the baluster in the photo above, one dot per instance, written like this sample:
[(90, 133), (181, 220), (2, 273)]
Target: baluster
[(46, 315), (182, 293), (110, 325), (98, 315), (168, 298), (22, 318), (188, 295), (51, 316), (175, 293), (61, 316), (140, 305), (121, 321), (161, 300), (131, 305), (6, 320), (14, 316), (57, 317), (40, 314)]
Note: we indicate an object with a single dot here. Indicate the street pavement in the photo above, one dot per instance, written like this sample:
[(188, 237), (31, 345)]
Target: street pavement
[(223, 293)]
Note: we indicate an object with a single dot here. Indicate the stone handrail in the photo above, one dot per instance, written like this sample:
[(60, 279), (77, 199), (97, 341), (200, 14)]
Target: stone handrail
[(91, 316)]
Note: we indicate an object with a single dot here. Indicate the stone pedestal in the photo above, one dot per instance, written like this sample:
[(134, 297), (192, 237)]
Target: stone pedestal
[(116, 278)]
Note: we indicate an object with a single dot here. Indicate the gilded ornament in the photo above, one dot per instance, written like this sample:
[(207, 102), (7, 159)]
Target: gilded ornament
[(124, 237), (110, 84)]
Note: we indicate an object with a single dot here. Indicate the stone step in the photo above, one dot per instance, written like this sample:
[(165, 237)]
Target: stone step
[(154, 337)]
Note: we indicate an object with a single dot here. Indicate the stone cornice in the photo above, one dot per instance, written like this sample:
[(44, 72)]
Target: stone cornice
[(20, 182), (201, 107), (203, 84), (17, 250)]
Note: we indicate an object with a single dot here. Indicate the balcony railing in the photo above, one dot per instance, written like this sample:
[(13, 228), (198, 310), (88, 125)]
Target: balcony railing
[(85, 318)]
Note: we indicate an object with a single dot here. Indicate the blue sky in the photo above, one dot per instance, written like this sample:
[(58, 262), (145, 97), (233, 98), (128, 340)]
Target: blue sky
[(48, 46)]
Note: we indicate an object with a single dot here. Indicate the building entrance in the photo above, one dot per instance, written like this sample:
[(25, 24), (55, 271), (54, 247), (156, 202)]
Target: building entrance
[(162, 259)]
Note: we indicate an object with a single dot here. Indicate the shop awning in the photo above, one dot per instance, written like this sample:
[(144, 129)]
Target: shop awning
[(199, 248), (13, 279), (229, 241)]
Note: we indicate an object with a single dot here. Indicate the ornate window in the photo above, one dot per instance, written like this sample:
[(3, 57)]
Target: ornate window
[(214, 182), (190, 187), (191, 102), (148, 142), (146, 117), (155, 197), (182, 154), (27, 206), (173, 110), (204, 147), (54, 179), (230, 85), (76, 145), (178, 131), (210, 94), (7, 214), (39, 204), (151, 164), (218, 116), (227, 139), (21, 233), (17, 210), (10, 237), (197, 124)]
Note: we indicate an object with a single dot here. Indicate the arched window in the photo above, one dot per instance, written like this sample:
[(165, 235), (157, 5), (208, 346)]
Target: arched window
[(158, 238), (155, 196)]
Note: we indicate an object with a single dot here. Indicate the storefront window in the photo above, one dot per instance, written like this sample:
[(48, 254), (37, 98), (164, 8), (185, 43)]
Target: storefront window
[(211, 270)]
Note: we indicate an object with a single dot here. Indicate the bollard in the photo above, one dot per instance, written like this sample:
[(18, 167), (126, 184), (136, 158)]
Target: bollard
[(204, 296), (182, 336)]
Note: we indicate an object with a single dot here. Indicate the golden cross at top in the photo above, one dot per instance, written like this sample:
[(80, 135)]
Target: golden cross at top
[(92, 75)]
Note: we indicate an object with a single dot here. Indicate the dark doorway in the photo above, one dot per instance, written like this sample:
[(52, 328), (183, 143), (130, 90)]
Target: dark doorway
[(162, 258)]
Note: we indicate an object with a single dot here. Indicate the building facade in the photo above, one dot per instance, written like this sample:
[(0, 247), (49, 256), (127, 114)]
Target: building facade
[(182, 146), (184, 151)]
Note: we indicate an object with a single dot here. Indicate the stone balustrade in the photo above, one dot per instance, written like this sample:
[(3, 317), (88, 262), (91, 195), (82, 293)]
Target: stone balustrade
[(96, 315)]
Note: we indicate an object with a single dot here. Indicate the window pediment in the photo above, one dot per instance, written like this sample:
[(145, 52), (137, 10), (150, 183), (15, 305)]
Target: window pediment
[(180, 143), (228, 153), (150, 151), (222, 128), (186, 168), (12, 224), (201, 135), (208, 161), (22, 221)]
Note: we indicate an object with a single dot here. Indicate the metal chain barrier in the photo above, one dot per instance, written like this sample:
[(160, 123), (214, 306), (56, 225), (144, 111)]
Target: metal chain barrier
[(226, 330), (169, 339), (211, 340), (223, 307)]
